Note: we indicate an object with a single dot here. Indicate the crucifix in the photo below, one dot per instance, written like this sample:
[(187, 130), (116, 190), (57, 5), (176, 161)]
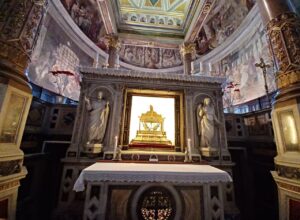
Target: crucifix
[(264, 67)]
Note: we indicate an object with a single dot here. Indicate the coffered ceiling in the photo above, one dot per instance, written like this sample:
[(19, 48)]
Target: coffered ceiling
[(170, 18)]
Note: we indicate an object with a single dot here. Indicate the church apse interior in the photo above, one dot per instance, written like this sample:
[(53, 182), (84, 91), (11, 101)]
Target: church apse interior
[(150, 109)]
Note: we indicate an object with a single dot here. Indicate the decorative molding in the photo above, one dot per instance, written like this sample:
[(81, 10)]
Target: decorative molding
[(289, 187), (19, 32), (288, 172), (284, 36), (144, 75), (9, 185), (10, 167)]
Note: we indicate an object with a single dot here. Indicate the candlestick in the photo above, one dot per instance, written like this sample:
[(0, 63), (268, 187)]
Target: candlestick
[(189, 149), (115, 147)]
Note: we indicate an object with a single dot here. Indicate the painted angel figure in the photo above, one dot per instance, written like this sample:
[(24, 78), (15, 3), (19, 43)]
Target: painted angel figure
[(207, 121)]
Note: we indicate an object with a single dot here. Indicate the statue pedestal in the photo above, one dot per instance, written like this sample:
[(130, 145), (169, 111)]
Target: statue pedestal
[(209, 152), (92, 149)]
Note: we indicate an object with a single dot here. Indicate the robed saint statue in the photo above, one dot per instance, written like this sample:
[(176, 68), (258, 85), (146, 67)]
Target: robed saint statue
[(97, 120)]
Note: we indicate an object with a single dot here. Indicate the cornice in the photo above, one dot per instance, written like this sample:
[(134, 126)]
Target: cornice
[(131, 74)]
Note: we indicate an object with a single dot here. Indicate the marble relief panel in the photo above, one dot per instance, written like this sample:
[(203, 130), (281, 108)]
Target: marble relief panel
[(148, 57)]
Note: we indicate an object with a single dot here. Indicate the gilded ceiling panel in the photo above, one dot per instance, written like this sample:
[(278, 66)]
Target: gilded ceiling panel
[(153, 14)]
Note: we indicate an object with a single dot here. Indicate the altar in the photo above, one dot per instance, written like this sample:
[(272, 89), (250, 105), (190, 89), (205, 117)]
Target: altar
[(123, 191), (170, 127)]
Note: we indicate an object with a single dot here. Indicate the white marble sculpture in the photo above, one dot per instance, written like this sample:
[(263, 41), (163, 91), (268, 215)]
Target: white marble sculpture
[(207, 122), (97, 120)]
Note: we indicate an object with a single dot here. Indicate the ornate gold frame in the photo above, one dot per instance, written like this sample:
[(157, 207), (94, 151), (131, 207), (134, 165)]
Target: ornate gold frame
[(22, 116), (179, 113)]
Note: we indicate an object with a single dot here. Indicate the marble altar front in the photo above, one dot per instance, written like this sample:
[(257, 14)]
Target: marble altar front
[(161, 191)]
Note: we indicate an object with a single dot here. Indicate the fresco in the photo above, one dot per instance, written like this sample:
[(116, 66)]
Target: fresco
[(55, 60), (86, 15), (244, 81), (154, 58), (225, 18)]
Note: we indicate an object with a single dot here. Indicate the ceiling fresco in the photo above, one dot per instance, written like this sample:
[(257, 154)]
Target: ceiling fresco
[(155, 16), (162, 24), (224, 19), (87, 17)]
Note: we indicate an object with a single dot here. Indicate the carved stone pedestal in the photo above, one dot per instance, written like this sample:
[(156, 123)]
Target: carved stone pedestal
[(92, 149), (209, 152)]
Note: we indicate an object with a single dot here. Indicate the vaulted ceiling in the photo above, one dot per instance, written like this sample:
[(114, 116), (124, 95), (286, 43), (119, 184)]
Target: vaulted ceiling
[(162, 24)]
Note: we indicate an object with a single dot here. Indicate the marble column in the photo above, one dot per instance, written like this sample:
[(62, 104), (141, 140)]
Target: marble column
[(113, 45), (20, 22), (283, 28), (187, 51)]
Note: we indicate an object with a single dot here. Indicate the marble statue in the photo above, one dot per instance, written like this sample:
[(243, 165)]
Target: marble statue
[(98, 117), (207, 121)]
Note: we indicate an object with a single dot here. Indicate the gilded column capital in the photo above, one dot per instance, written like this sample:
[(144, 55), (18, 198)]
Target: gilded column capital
[(113, 41), (284, 35), (187, 48)]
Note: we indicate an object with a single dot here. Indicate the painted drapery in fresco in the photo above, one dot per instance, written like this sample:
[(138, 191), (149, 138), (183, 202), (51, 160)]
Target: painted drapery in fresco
[(55, 61), (244, 81)]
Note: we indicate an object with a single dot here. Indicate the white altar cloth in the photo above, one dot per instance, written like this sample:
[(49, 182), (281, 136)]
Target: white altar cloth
[(139, 172)]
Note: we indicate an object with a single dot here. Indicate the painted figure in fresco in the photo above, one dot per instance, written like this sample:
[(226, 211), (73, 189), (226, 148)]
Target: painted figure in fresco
[(98, 117), (75, 10), (207, 121)]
